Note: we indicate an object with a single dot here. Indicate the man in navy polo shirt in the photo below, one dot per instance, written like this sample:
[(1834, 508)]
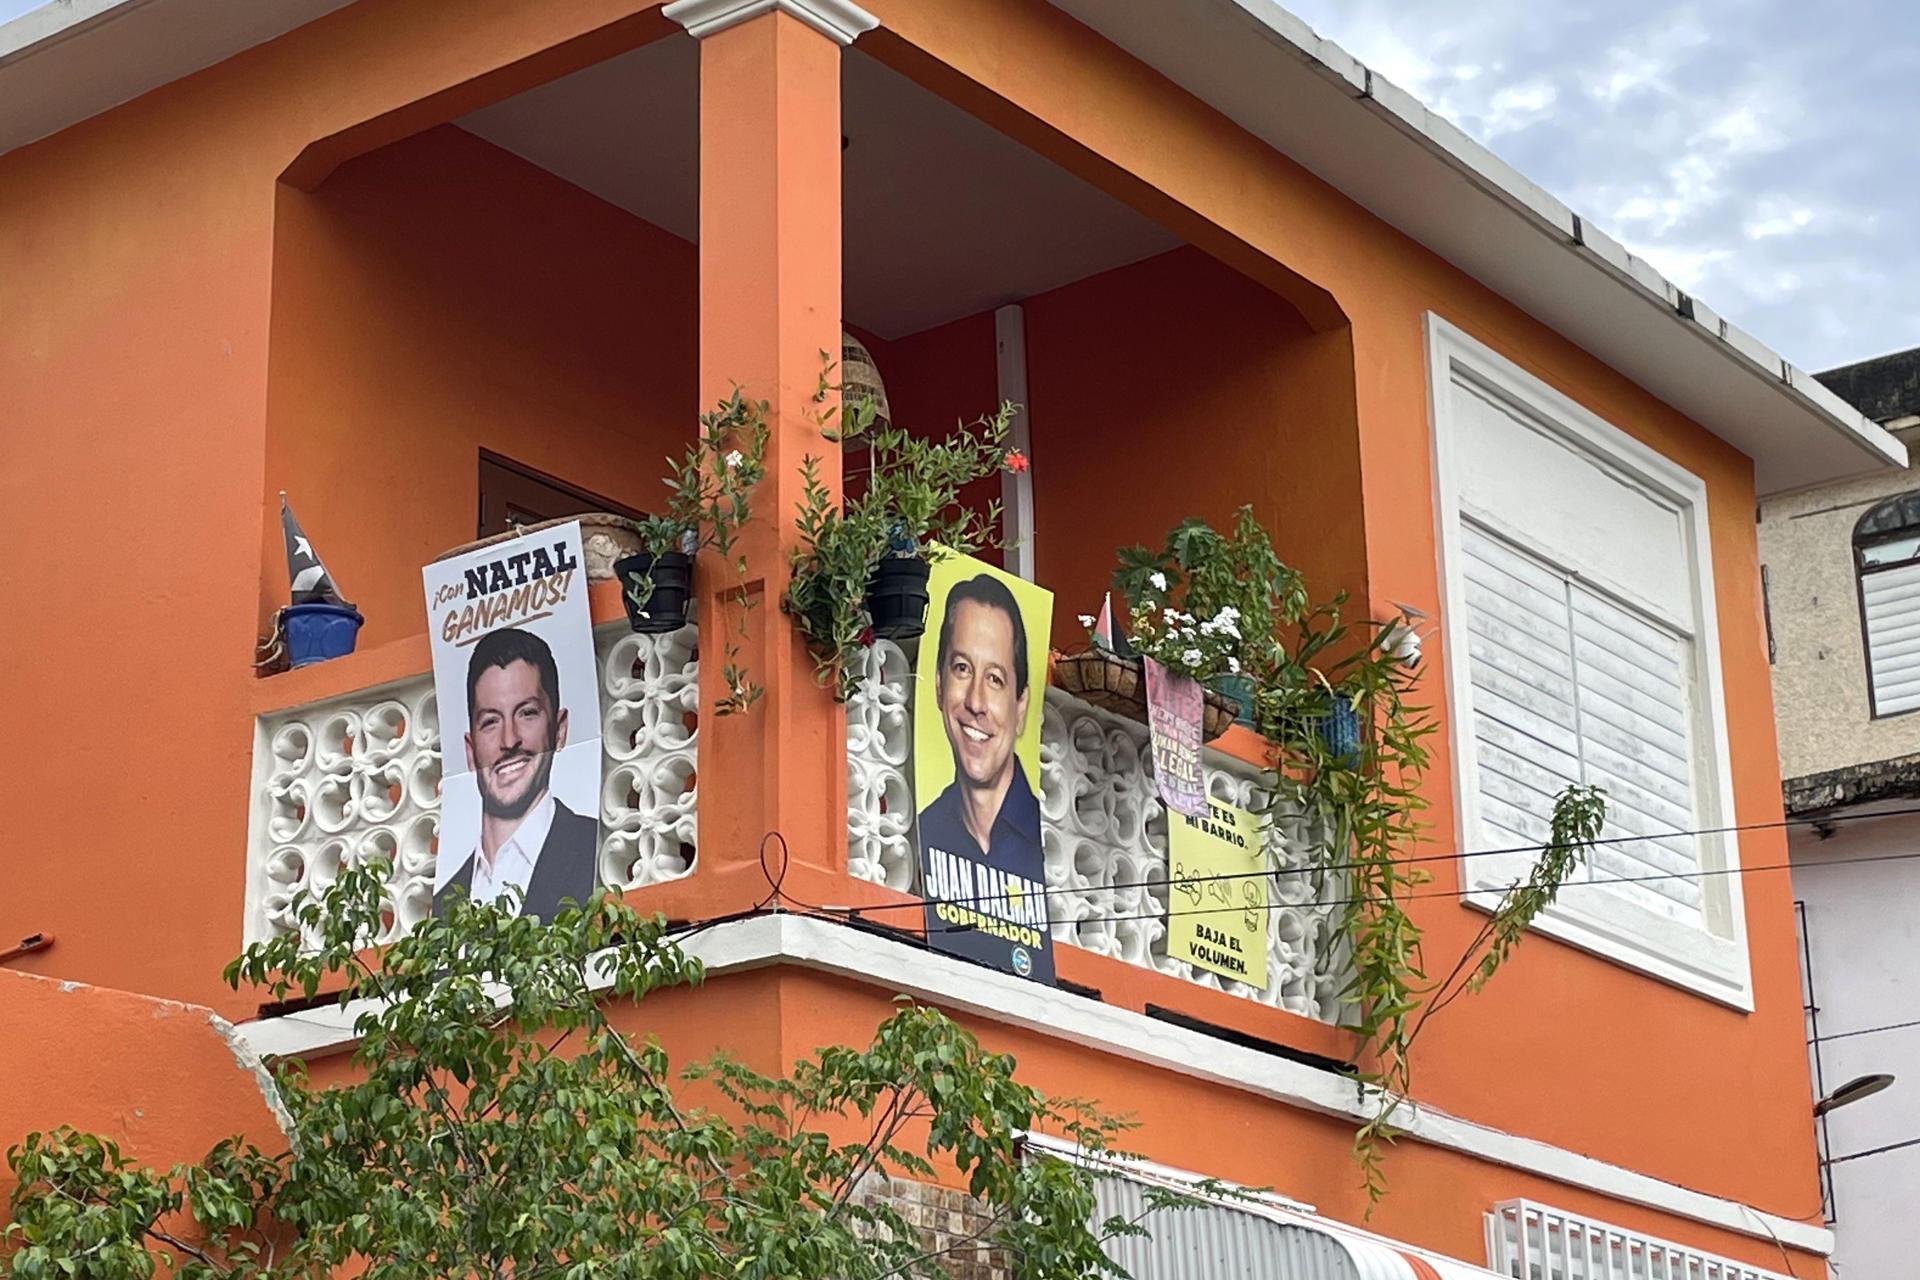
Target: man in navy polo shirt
[(988, 816)]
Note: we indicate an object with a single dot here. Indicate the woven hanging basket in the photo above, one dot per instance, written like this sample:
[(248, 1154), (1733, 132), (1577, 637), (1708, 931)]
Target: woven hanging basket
[(859, 379), (1119, 685)]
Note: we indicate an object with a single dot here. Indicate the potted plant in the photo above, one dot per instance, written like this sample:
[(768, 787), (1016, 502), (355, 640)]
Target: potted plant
[(860, 571), (707, 505), (1207, 605)]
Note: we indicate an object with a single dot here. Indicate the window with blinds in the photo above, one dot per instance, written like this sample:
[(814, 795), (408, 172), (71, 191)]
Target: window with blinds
[(1571, 686), (1886, 554), (1581, 647)]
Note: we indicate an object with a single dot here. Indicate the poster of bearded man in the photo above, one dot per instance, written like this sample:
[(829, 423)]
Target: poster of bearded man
[(518, 689)]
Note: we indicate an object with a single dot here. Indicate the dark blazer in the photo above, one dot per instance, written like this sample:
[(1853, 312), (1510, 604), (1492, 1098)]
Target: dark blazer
[(562, 872)]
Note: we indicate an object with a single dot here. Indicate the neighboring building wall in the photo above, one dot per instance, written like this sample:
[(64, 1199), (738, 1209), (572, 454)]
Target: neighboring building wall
[(1863, 938), (1856, 875), (1813, 608)]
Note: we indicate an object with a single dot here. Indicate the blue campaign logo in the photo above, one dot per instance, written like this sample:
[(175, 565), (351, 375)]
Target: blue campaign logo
[(1022, 962)]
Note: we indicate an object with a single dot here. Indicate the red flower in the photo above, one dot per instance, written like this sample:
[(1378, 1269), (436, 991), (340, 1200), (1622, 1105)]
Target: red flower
[(866, 636), (1016, 460)]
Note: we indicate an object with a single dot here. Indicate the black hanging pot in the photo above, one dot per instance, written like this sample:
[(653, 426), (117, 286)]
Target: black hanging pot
[(666, 608), (897, 597)]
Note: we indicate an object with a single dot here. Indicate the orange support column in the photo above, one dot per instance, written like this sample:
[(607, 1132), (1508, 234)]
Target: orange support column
[(769, 306)]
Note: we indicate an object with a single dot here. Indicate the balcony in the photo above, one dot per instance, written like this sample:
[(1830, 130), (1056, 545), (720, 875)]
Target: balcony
[(354, 775), (566, 325)]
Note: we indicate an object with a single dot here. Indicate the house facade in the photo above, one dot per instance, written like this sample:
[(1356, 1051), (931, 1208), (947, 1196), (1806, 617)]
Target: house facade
[(432, 267), (1840, 596)]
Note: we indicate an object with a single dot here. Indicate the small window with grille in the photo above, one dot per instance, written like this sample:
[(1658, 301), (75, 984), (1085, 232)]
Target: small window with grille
[(1886, 559)]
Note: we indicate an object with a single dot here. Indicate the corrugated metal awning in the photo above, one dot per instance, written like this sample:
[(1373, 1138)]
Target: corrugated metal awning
[(1231, 1238)]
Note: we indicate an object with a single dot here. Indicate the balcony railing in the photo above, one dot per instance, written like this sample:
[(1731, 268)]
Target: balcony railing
[(357, 776), (1104, 833)]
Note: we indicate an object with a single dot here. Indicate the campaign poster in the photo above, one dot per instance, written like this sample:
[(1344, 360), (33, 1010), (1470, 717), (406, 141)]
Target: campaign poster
[(1217, 904), (978, 691), (1176, 709), (519, 696)]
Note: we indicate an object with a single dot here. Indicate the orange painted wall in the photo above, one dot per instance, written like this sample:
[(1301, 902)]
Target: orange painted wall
[(155, 1076), (1563, 1046), (1437, 1197), (1164, 389), (142, 408), (440, 296)]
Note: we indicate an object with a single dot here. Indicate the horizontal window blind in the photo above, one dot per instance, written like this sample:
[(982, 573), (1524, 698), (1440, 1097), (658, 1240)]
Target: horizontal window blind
[(1571, 686), (1890, 602)]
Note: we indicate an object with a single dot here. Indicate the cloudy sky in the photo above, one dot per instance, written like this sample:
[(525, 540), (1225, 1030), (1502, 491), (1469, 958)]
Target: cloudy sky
[(1761, 153)]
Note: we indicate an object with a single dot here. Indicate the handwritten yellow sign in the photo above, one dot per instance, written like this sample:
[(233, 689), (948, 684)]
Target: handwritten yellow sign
[(1217, 903)]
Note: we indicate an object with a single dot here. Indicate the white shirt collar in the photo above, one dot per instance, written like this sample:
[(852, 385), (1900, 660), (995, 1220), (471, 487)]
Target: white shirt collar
[(513, 861)]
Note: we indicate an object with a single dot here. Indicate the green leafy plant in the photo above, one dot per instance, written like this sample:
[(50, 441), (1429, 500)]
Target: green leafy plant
[(497, 1124), (709, 493), (910, 506), (1209, 604)]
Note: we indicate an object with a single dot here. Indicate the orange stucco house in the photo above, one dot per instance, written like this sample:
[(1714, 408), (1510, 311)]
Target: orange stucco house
[(419, 262)]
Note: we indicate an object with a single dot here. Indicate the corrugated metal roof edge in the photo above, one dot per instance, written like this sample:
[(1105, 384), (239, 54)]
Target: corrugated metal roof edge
[(1373, 1254)]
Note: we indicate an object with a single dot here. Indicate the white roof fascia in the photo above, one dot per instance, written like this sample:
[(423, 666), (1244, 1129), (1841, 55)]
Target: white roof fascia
[(1263, 68), (1271, 74), (71, 59)]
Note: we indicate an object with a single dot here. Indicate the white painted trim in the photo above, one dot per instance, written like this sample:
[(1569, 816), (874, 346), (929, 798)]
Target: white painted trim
[(1016, 487), (979, 992), (1714, 962), (841, 21)]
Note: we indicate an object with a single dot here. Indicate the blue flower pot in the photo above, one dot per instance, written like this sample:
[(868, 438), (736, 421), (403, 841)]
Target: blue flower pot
[(316, 632), (1339, 732), (1238, 690)]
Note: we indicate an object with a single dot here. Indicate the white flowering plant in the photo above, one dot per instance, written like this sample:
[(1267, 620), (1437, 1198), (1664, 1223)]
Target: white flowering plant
[(1209, 604), (708, 489)]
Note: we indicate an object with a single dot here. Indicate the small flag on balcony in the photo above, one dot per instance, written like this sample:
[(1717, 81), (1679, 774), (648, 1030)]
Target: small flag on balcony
[(307, 576), (1103, 625)]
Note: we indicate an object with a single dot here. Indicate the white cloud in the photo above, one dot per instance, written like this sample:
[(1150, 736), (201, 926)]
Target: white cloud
[(1755, 157)]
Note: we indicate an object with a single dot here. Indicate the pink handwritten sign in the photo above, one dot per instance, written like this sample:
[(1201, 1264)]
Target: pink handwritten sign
[(1174, 712)]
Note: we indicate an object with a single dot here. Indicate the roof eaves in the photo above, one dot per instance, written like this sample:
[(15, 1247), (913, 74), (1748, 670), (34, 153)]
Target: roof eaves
[(1485, 172)]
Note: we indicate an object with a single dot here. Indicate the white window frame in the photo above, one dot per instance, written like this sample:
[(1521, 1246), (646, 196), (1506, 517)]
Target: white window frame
[(1711, 961)]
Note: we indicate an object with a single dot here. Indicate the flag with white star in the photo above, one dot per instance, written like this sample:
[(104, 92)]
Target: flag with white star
[(310, 581)]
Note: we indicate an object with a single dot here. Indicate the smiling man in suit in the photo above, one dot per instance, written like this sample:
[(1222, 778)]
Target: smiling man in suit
[(516, 724)]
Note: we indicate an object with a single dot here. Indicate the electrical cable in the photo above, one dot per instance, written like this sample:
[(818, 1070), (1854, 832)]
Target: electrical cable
[(1163, 881), (1873, 1151), (1865, 1031)]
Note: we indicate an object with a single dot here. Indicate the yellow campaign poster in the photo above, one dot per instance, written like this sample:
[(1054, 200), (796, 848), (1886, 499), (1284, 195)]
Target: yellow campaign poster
[(979, 687), (1217, 907)]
